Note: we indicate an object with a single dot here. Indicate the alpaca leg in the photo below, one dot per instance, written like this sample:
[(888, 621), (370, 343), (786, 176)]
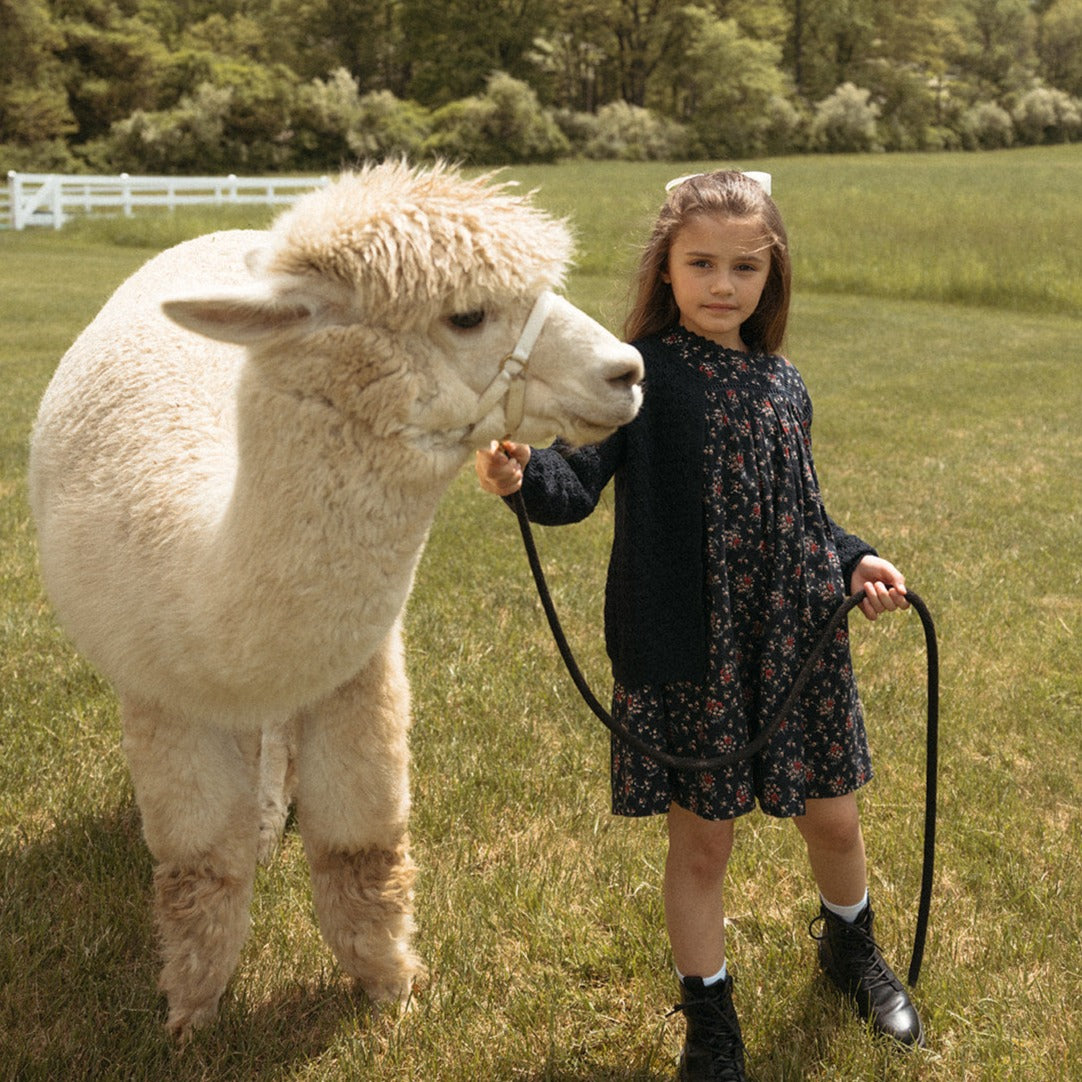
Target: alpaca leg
[(196, 788), (277, 782), (352, 811)]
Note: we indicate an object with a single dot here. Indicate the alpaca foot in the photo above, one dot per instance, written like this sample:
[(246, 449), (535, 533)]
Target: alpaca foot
[(390, 992), (364, 901), (271, 829), (202, 918), (277, 782), (183, 1021)]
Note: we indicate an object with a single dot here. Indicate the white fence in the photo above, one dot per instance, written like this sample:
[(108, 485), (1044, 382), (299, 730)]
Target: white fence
[(49, 199)]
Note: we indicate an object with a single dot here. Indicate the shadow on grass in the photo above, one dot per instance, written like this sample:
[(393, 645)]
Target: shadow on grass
[(788, 1051), (595, 1073), (78, 973)]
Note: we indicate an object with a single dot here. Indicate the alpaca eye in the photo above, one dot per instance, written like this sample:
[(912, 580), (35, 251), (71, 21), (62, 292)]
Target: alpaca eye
[(465, 320)]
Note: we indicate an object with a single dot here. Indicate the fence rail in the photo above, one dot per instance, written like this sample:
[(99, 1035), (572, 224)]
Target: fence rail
[(50, 199)]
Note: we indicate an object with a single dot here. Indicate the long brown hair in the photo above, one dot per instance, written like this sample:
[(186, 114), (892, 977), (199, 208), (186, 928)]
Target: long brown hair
[(726, 194)]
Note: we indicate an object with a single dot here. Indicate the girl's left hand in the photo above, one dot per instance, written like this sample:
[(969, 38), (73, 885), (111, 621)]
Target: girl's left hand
[(883, 585)]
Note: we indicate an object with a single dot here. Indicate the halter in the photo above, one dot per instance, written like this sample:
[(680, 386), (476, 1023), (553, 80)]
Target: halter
[(509, 383)]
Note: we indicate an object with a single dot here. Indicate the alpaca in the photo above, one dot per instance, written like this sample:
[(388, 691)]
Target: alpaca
[(229, 522)]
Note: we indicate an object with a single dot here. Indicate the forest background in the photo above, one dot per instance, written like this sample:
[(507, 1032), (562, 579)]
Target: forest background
[(198, 86)]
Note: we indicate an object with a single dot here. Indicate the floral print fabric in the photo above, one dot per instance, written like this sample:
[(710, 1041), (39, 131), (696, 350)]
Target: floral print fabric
[(773, 580)]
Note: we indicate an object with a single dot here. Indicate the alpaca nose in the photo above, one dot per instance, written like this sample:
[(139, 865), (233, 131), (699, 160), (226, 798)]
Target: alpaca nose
[(627, 370)]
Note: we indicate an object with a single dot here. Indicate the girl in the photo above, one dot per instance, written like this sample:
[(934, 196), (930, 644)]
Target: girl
[(724, 567)]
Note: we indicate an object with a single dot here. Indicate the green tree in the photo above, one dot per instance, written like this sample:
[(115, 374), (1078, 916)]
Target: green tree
[(1059, 45), (763, 20), (456, 45), (112, 60), (827, 43), (908, 72), (995, 46), (573, 57), (643, 32), (317, 37), (722, 84), (33, 99)]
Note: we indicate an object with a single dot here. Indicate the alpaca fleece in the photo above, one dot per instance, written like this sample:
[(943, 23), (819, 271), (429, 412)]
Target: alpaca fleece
[(233, 473)]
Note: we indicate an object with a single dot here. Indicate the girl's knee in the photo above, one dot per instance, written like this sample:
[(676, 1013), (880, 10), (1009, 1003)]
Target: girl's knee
[(831, 823), (701, 846)]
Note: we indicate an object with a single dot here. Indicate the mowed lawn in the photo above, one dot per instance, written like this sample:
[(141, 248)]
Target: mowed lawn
[(937, 325)]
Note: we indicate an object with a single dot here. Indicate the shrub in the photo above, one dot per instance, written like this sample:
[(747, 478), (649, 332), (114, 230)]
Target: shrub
[(985, 126), (578, 127), (46, 156), (846, 121), (1047, 115), (325, 114), (240, 122), (173, 140), (506, 124), (908, 106), (782, 126), (630, 133), (387, 127)]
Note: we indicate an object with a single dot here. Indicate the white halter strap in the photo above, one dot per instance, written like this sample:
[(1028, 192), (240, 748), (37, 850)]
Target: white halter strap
[(510, 381)]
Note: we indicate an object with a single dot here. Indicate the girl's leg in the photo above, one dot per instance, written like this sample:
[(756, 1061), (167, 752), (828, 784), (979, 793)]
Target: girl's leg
[(848, 952), (694, 903), (698, 856), (831, 830)]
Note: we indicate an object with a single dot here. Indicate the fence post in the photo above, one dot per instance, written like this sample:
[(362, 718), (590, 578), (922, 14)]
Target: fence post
[(14, 193), (125, 194), (55, 183)]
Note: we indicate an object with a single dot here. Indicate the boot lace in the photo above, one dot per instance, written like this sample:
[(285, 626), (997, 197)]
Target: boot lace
[(863, 962), (718, 1034)]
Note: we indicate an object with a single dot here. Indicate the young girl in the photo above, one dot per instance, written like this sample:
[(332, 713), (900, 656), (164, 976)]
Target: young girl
[(724, 568)]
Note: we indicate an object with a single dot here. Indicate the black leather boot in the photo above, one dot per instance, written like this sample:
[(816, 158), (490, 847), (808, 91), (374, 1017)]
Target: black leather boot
[(714, 1048), (850, 957)]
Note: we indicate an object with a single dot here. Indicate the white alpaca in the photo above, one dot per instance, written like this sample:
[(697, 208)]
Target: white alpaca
[(229, 524)]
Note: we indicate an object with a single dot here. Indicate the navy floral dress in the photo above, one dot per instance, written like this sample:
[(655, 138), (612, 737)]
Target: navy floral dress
[(773, 579)]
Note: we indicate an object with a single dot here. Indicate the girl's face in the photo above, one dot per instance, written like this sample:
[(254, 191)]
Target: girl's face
[(718, 268)]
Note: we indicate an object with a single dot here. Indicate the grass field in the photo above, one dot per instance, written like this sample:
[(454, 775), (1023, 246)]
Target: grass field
[(937, 325)]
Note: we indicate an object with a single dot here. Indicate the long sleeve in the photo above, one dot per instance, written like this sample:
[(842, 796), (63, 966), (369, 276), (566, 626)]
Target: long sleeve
[(851, 550), (562, 484)]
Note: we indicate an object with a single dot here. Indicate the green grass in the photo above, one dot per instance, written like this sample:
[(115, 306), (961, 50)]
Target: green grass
[(995, 230), (947, 433)]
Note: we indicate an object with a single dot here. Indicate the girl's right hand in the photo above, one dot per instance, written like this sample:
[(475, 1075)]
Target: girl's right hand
[(499, 469)]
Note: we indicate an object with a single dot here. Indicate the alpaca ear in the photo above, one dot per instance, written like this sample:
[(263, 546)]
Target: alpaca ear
[(241, 318), (257, 260)]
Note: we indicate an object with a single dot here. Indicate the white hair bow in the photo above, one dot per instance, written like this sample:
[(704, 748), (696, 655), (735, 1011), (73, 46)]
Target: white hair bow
[(762, 179)]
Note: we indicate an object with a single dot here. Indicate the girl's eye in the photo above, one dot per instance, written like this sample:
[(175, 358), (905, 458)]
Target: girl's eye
[(465, 320)]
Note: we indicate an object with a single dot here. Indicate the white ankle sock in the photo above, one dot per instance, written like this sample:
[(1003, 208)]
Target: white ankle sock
[(848, 913), (717, 978)]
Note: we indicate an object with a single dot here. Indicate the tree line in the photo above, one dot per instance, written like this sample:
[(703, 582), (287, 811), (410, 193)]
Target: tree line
[(261, 85)]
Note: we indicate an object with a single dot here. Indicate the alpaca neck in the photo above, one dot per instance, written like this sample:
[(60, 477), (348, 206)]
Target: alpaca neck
[(316, 552)]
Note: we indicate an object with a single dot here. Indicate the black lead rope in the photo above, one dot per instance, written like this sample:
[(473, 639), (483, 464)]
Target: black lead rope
[(755, 745)]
